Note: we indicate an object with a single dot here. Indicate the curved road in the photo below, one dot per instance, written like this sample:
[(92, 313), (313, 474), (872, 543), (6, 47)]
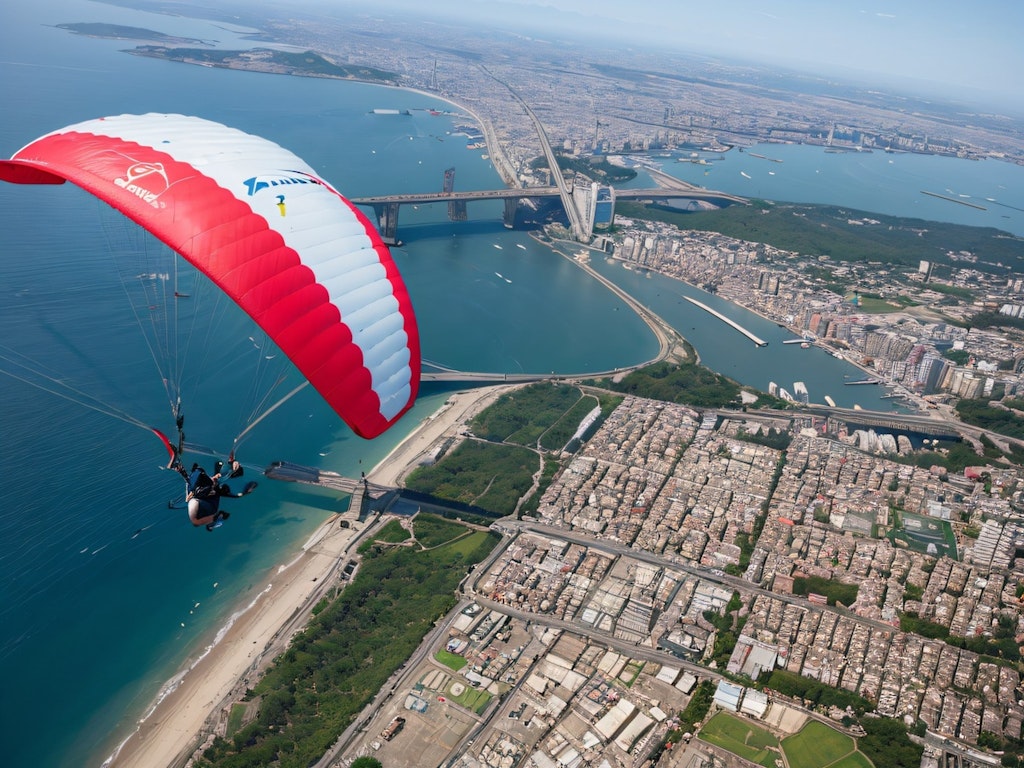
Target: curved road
[(575, 223)]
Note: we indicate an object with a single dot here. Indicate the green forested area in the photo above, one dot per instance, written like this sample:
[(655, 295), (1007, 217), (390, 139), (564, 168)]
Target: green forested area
[(834, 591), (307, 63), (558, 435), (522, 415), (887, 745), (686, 383), (543, 410), (495, 475), (981, 414), (486, 475), (595, 167), (347, 652)]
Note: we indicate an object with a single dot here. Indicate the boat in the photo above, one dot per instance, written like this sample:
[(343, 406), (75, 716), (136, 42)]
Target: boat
[(744, 174), (800, 392), (830, 402), (862, 381)]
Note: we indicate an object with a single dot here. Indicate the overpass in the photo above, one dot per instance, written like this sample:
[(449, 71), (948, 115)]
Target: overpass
[(386, 207), (902, 422)]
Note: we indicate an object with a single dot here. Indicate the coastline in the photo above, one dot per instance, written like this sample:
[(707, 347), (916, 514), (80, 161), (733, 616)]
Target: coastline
[(183, 715), (194, 703)]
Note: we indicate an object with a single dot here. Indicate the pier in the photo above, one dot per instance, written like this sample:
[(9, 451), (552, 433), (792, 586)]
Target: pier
[(757, 341), (953, 200)]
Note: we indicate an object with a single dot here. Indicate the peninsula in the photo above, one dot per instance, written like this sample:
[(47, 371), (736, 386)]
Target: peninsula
[(305, 64), (121, 32)]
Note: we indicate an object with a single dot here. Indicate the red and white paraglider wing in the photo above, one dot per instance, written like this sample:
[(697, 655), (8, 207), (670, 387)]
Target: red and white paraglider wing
[(298, 257)]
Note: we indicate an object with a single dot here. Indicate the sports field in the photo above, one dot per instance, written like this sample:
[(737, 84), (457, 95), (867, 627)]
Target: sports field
[(818, 746), (815, 746), (742, 738)]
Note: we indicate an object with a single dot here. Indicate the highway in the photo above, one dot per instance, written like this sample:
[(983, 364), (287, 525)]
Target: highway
[(575, 223), (655, 193)]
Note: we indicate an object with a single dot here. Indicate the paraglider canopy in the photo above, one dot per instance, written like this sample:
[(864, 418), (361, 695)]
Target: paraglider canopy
[(301, 260)]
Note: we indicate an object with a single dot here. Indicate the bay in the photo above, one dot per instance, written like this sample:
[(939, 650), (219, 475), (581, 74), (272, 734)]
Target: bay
[(106, 593), (977, 193)]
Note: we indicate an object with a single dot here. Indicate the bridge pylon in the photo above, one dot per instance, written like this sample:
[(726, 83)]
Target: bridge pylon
[(387, 221), (511, 206), (456, 208)]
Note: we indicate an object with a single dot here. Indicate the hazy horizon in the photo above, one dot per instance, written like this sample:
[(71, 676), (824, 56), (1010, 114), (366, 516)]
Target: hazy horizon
[(936, 49), (932, 48)]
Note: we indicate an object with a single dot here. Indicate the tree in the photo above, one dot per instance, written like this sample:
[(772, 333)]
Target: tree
[(366, 762)]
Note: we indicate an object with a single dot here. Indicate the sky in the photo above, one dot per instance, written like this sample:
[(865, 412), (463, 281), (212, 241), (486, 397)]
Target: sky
[(964, 50)]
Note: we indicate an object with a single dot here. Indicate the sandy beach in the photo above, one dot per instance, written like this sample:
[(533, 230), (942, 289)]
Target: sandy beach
[(178, 723)]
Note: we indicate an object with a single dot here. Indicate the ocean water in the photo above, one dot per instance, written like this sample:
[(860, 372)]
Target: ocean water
[(978, 193), (106, 593)]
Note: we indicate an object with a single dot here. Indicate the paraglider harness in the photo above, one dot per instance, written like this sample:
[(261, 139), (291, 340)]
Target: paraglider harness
[(198, 484)]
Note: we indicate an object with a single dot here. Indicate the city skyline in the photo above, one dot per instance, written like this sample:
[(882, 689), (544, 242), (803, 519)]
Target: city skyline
[(928, 47)]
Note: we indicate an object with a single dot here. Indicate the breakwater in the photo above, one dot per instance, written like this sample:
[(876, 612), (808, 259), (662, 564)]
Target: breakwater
[(953, 200), (758, 341)]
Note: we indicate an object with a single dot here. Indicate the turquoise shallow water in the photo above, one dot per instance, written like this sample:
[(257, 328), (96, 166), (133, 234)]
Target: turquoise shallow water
[(105, 593)]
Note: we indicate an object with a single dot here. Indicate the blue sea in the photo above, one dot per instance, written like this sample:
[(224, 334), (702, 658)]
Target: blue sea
[(977, 193), (106, 593)]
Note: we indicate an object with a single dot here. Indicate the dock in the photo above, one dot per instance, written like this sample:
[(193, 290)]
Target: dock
[(758, 341)]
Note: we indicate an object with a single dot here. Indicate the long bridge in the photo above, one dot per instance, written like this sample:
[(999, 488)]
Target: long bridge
[(386, 207)]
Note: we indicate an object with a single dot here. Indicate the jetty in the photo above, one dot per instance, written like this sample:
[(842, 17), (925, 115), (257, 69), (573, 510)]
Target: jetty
[(758, 341), (764, 157), (953, 200)]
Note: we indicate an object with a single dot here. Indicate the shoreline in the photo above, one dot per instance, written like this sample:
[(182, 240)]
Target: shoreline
[(194, 702), (173, 725)]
